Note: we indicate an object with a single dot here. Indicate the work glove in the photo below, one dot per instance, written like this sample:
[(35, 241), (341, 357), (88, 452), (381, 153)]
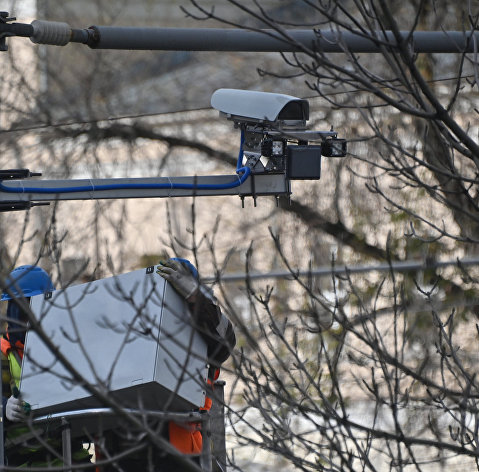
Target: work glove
[(14, 410), (180, 277)]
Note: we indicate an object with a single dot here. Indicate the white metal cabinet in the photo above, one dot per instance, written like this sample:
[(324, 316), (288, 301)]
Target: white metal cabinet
[(130, 335)]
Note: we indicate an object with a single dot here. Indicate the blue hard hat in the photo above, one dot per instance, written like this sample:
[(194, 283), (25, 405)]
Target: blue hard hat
[(188, 264), (27, 281)]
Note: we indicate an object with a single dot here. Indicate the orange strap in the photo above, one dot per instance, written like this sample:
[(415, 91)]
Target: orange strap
[(6, 346), (208, 404)]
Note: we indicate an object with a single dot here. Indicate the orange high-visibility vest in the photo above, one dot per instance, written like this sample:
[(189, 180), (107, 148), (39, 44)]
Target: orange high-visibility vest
[(187, 437), (14, 356)]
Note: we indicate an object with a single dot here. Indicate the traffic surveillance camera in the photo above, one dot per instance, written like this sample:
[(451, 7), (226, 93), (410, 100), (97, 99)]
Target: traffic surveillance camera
[(275, 136), (251, 107)]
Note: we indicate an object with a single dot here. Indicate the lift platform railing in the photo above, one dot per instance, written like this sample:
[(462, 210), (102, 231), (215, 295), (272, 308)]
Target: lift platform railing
[(73, 424)]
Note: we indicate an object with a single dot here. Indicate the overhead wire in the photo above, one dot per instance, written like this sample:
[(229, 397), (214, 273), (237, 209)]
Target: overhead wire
[(343, 270), (185, 110)]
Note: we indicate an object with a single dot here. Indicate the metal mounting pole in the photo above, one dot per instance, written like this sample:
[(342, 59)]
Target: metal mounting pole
[(230, 39), (66, 443), (15, 192), (217, 39), (217, 425), (205, 456)]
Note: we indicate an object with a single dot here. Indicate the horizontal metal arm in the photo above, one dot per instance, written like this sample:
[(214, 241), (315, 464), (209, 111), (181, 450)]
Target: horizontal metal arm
[(87, 189), (210, 39), (230, 39)]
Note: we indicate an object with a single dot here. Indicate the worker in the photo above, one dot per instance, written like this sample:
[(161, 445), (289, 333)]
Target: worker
[(215, 328), (210, 322), (24, 282)]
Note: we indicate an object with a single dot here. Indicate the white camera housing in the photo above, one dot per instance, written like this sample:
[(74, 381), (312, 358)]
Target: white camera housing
[(246, 106)]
